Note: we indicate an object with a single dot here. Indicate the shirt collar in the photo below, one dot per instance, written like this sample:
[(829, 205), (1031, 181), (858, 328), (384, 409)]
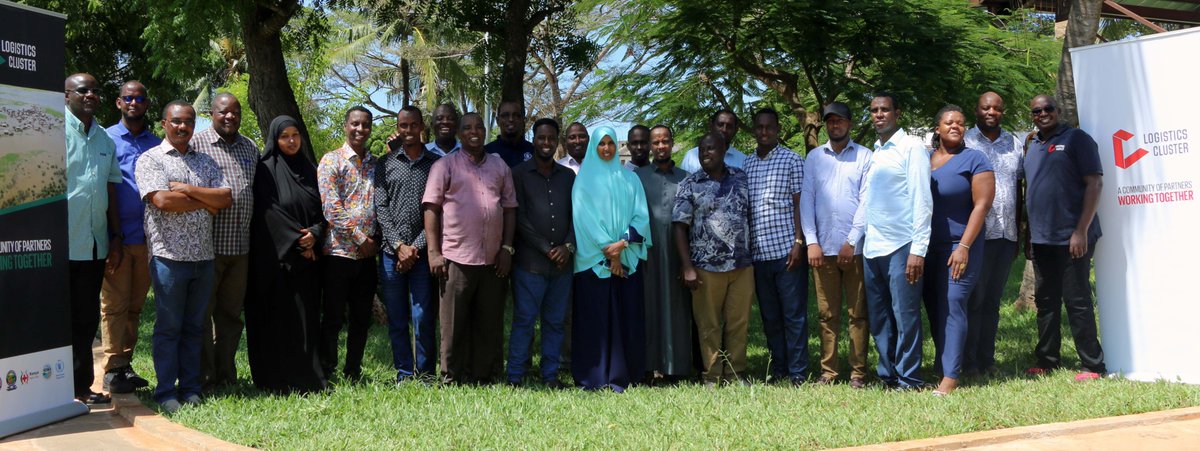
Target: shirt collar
[(124, 131), (74, 123), (216, 138), (1062, 128), (670, 169), (433, 145), (349, 154), (1003, 134), (168, 149), (896, 137), (851, 147), (702, 176)]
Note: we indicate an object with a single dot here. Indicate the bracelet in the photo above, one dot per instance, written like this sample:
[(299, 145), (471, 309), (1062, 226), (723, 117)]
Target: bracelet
[(799, 241), (960, 244)]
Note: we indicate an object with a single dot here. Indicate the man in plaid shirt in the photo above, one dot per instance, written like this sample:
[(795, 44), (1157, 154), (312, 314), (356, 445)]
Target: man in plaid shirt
[(776, 240), (236, 156)]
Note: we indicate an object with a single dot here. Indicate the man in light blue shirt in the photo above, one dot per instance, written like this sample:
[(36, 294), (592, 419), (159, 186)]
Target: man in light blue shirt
[(899, 208), (445, 128), (725, 123), (92, 172), (832, 220)]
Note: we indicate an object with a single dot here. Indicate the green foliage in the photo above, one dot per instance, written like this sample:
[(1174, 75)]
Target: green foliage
[(105, 39), (796, 55)]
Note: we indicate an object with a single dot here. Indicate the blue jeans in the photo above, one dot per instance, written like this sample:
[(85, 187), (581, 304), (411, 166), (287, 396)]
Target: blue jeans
[(399, 289), (783, 303), (894, 308), (534, 293), (181, 294)]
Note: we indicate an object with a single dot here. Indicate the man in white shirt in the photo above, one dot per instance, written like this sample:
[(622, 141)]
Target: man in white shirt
[(725, 123), (576, 145), (445, 126)]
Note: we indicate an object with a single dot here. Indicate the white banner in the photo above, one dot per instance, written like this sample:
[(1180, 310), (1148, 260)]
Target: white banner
[(35, 389), (1140, 100)]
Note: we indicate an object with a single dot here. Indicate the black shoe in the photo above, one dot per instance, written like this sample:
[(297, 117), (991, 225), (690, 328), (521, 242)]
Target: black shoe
[(138, 381), (117, 381), (554, 384)]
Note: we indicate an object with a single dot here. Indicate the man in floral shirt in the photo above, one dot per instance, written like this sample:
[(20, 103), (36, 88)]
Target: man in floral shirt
[(346, 178)]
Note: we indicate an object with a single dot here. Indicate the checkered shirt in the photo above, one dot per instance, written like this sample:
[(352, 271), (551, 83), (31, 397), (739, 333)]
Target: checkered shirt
[(773, 181), (237, 160)]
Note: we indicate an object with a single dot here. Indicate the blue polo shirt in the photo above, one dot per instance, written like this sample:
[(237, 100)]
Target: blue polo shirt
[(129, 204), (1054, 170), (512, 155)]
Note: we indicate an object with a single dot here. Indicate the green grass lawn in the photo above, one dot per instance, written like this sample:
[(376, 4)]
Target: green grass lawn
[(376, 414)]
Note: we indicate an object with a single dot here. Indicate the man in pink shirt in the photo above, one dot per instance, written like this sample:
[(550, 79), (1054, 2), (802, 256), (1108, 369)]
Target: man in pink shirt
[(470, 218)]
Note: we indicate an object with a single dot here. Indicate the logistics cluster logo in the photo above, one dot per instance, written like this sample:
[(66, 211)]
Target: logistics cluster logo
[(1124, 162)]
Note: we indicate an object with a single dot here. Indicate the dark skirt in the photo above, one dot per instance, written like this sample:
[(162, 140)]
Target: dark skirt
[(608, 335), (282, 329)]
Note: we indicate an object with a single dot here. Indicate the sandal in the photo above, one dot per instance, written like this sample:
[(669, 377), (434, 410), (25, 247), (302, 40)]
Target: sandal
[(91, 398)]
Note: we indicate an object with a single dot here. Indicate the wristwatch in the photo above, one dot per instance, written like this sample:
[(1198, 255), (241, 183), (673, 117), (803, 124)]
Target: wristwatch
[(570, 247), (509, 249)]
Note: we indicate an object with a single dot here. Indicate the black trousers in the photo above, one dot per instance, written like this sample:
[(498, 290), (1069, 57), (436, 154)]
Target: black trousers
[(1065, 280), (349, 286), (84, 279)]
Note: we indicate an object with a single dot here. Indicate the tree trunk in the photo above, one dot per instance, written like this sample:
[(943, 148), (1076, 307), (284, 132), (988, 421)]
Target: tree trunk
[(270, 91), (405, 80), (516, 53), (1083, 21)]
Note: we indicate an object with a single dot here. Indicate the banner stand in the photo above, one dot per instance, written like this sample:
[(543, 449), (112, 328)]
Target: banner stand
[(1137, 98), (36, 373)]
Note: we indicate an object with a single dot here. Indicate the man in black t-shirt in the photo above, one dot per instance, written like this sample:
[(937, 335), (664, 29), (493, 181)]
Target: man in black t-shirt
[(1063, 179)]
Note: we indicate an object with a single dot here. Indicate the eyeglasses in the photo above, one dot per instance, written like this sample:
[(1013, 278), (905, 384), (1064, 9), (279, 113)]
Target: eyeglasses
[(85, 91), (132, 99), (1046, 109)]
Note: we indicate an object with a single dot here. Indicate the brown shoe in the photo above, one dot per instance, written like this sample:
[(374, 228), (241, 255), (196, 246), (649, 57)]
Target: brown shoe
[(857, 382), (825, 380)]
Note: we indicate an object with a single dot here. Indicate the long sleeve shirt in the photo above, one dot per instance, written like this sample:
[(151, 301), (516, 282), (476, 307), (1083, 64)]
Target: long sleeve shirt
[(899, 205), (543, 216), (347, 198), (832, 194)]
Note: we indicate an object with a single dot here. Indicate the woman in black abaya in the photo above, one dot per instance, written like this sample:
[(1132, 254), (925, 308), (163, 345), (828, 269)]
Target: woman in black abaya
[(283, 297)]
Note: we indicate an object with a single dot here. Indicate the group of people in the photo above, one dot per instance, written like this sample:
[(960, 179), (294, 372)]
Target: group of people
[(638, 272)]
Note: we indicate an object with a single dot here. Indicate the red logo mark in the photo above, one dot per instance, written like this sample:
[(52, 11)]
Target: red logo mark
[(1124, 162)]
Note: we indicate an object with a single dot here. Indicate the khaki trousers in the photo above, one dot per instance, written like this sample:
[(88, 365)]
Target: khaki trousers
[(122, 296), (223, 320), (721, 307), (834, 283)]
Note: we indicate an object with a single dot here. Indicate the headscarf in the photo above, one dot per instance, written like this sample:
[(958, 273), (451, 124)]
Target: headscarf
[(607, 200), (296, 200)]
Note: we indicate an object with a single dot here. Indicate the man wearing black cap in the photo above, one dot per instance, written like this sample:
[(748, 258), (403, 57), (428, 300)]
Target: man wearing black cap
[(833, 228)]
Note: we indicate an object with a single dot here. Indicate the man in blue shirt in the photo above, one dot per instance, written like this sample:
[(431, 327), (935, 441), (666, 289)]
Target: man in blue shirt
[(1063, 173), (511, 145), (128, 277), (92, 175), (899, 208)]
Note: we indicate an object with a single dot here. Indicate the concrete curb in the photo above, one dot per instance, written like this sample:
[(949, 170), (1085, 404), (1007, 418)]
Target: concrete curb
[(130, 408), (1041, 431)]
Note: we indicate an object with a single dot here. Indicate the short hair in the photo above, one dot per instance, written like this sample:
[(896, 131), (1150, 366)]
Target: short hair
[(946, 109), (175, 103), (520, 106), (580, 124), (638, 127), (713, 119), (446, 105), (546, 121), (717, 136), (413, 110), (890, 96), (1049, 99), (766, 110), (656, 127), (222, 95), (469, 114), (370, 117)]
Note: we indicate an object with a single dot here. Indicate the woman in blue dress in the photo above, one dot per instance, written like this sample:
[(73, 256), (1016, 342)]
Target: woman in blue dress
[(612, 234), (963, 185)]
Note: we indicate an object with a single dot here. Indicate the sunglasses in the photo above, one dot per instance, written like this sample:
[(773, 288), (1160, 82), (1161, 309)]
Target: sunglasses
[(132, 99), (85, 91), (1046, 109)]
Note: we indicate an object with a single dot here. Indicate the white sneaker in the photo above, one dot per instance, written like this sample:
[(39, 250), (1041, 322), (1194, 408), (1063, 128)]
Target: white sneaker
[(193, 400), (171, 406)]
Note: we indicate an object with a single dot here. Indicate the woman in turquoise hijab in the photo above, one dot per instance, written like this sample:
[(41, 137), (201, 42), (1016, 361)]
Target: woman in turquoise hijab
[(612, 233)]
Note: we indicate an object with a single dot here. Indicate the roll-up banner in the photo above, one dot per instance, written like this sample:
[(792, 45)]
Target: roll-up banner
[(1138, 99), (35, 336)]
